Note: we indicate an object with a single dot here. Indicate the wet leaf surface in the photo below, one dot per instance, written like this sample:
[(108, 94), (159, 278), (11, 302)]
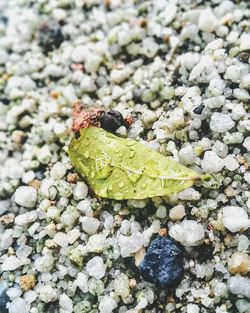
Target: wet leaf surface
[(118, 168)]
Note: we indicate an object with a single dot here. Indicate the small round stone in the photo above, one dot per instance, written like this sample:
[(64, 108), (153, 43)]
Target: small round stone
[(80, 191), (193, 308), (221, 122), (48, 294), (239, 262), (188, 233), (18, 305), (66, 303), (239, 286), (26, 196), (90, 225), (207, 21), (44, 263), (177, 212), (235, 218), (96, 267), (211, 162), (58, 170)]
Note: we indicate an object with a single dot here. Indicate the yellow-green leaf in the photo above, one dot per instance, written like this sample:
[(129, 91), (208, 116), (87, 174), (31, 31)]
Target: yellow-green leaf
[(118, 168)]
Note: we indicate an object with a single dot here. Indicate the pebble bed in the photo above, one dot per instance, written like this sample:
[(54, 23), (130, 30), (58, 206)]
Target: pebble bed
[(181, 70)]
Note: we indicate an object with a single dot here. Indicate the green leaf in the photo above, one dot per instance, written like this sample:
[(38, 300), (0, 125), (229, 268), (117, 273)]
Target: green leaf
[(118, 168)]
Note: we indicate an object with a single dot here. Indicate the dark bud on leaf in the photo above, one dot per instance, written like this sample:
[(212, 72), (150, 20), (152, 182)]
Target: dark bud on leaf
[(112, 120)]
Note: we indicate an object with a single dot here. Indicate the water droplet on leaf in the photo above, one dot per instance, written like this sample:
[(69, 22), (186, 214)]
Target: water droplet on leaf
[(121, 184), (131, 154), (86, 154)]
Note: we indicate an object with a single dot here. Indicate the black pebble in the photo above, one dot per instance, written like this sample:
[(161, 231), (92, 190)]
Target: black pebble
[(4, 298), (163, 262), (199, 109), (5, 101), (117, 115), (50, 36), (111, 120), (205, 252)]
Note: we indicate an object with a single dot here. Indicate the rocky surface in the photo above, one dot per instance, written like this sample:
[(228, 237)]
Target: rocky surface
[(178, 73)]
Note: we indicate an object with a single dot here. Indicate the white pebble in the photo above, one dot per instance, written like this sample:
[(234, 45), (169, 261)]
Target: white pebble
[(66, 303), (61, 239), (6, 239), (243, 243), (79, 54), (107, 305), (221, 122), (207, 21), (26, 218), (221, 149), (26, 196), (82, 282), (11, 263), (80, 191), (130, 244), (246, 143), (96, 243), (235, 218), (236, 72), (177, 212), (186, 155), (18, 305), (47, 294), (121, 285), (30, 296), (89, 224), (58, 171), (245, 42), (84, 207), (245, 81), (211, 163), (193, 308), (188, 233), (231, 163), (241, 94), (239, 286), (96, 268), (44, 263), (189, 194)]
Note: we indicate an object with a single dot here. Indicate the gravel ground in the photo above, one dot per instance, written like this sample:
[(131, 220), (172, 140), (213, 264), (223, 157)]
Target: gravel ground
[(181, 70)]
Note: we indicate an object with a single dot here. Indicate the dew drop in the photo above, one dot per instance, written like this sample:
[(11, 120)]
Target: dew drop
[(131, 154), (144, 185), (86, 154), (108, 141), (92, 174), (121, 185), (110, 187)]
